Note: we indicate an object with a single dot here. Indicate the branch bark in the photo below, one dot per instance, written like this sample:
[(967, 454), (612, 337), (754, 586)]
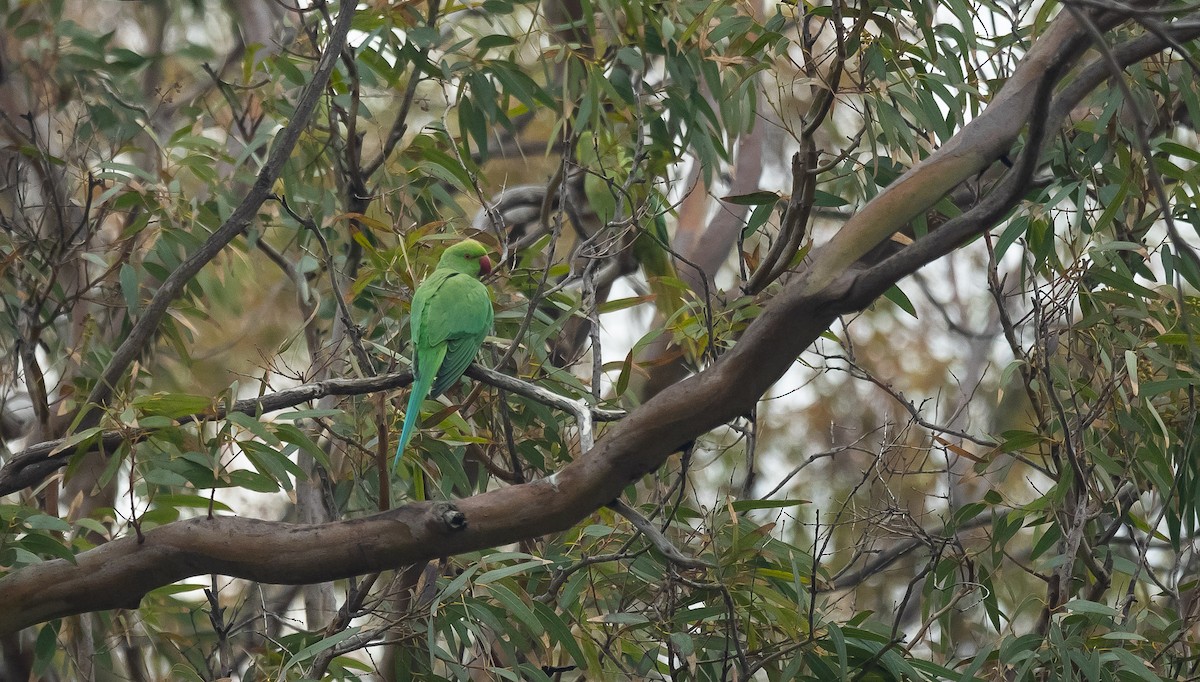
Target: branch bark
[(979, 144)]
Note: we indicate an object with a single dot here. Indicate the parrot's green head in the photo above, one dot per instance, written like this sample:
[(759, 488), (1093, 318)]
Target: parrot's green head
[(468, 257)]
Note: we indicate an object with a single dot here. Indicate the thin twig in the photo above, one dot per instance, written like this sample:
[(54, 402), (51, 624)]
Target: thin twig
[(656, 537), (20, 470)]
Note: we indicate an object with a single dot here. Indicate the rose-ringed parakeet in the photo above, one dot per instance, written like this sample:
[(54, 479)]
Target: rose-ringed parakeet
[(451, 316)]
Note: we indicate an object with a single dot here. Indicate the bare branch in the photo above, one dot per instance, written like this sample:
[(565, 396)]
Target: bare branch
[(31, 465), (655, 536)]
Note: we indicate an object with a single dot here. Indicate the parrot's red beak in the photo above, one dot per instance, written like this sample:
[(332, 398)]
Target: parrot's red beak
[(485, 266)]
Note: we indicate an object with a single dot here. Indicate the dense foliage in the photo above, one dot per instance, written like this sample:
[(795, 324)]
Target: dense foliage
[(213, 215)]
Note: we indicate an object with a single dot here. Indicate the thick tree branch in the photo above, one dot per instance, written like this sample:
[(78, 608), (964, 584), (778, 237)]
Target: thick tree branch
[(980, 143), (866, 285)]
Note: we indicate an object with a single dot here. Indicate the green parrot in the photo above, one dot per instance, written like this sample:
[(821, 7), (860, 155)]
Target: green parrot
[(451, 316)]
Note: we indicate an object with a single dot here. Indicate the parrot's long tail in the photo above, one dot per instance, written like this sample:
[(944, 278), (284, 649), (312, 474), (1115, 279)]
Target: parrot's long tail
[(412, 417)]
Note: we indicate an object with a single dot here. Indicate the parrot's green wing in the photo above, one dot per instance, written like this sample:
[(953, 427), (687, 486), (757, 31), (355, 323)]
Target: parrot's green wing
[(458, 315), (451, 316)]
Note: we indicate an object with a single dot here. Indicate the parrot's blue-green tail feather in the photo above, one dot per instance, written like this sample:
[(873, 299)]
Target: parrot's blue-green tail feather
[(412, 416)]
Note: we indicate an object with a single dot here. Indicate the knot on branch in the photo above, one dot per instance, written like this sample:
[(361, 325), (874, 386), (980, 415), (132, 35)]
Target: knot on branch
[(450, 515)]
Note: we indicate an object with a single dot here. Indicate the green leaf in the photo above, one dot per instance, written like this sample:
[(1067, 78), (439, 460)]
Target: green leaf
[(827, 200), (46, 646), (624, 303), (252, 480), (317, 647), (746, 505), (1090, 607), (77, 438), (516, 608), (1020, 440), (1151, 389), (758, 217), (124, 171), (621, 618), (47, 522), (131, 288), (495, 40), (536, 565), (271, 462), (683, 644), (447, 168), (839, 645), (559, 631), (156, 422), (1136, 666), (622, 383), (93, 525), (189, 501), (1046, 541), (456, 586), (1017, 227), (895, 295), (164, 477), (175, 588), (1124, 637), (173, 405), (753, 198), (44, 544), (1177, 339), (254, 426), (966, 513), (297, 415)]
